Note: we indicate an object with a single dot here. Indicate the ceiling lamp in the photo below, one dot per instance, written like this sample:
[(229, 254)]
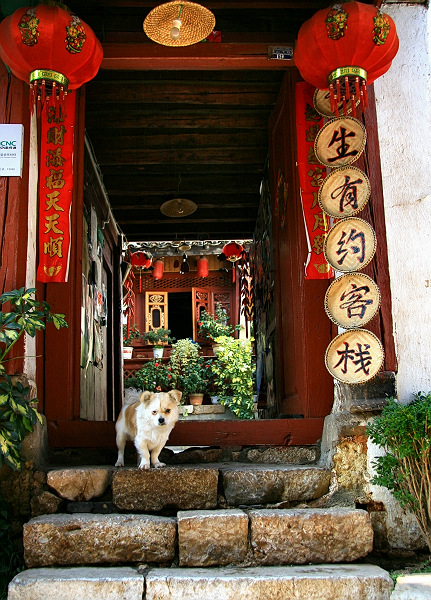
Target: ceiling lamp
[(179, 23), (178, 207), (343, 47), (185, 267), (51, 49)]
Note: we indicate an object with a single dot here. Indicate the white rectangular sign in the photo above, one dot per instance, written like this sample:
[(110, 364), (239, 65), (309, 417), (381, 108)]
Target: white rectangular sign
[(11, 149)]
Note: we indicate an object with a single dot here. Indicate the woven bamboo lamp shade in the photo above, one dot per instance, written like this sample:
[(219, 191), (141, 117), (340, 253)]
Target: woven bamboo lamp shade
[(179, 23), (178, 207)]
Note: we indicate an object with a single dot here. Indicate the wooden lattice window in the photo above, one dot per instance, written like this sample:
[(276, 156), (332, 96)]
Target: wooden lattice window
[(156, 311)]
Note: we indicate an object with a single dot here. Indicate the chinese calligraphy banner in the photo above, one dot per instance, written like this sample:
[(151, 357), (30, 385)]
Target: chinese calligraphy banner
[(55, 192), (344, 192), (340, 142), (354, 356), (352, 300), (350, 245), (311, 175)]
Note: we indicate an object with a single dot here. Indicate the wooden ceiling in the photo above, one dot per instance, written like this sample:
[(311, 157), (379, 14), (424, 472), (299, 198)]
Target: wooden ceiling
[(186, 122)]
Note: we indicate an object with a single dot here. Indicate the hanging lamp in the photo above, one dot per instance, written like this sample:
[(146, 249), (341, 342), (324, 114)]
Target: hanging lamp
[(179, 23), (344, 47), (202, 267)]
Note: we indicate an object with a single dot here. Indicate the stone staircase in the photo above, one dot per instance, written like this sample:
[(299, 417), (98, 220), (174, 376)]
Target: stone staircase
[(212, 531)]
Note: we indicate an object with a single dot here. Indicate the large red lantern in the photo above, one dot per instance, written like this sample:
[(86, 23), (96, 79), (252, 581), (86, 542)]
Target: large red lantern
[(202, 267), (343, 47), (140, 259), (157, 272), (232, 251), (51, 49)]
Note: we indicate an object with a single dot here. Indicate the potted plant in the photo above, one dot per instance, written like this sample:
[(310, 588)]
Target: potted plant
[(215, 325), (129, 336), (154, 377), (195, 379), (183, 352), (233, 368), (158, 338)]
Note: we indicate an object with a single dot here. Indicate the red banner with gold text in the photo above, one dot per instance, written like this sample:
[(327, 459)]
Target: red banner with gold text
[(55, 191), (311, 175)]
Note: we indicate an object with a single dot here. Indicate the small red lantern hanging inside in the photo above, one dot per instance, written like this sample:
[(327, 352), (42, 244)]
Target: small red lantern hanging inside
[(141, 260), (157, 272), (232, 252), (51, 49), (202, 267), (343, 47)]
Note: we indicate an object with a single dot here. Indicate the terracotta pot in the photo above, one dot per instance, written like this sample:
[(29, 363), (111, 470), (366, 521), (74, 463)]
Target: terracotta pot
[(196, 399)]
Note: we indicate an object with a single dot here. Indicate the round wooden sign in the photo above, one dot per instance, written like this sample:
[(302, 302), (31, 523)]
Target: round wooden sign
[(350, 245), (352, 300), (322, 103), (344, 192), (354, 356), (340, 142)]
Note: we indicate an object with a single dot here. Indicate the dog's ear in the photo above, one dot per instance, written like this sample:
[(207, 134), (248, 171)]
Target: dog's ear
[(146, 397), (175, 395)]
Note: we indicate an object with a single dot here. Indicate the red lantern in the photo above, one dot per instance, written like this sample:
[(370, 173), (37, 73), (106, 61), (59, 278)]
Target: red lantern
[(343, 47), (202, 267), (51, 49), (157, 272), (232, 251), (142, 260)]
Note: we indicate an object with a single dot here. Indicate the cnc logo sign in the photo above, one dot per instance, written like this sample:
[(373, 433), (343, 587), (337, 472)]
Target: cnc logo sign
[(7, 145), (11, 149)]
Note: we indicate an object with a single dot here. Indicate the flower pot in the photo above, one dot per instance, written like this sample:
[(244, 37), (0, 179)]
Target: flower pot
[(127, 352), (196, 399), (215, 400), (216, 349), (158, 352)]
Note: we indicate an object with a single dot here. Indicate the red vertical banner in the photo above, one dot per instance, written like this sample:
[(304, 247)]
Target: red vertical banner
[(55, 191), (311, 175)]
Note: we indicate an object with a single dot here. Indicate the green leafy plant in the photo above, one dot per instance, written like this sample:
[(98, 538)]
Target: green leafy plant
[(184, 352), (17, 416), (233, 368), (404, 432), (215, 325), (158, 337), (154, 376), (195, 377), (131, 336)]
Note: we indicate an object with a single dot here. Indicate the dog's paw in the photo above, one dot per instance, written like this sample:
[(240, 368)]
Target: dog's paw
[(119, 463), (143, 466), (159, 465)]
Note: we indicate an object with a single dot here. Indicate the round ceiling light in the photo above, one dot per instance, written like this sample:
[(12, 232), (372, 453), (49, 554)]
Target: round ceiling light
[(178, 207), (179, 23)]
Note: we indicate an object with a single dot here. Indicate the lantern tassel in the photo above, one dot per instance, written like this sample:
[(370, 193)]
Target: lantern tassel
[(344, 105), (347, 86)]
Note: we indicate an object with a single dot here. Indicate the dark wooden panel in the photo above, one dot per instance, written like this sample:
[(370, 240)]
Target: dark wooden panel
[(277, 432)]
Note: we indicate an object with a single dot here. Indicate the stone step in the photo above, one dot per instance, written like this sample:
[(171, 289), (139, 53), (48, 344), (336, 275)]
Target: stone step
[(200, 538), (191, 487), (324, 582)]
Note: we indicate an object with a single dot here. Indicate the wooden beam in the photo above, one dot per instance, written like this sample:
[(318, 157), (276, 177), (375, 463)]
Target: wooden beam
[(197, 57), (276, 432), (238, 155)]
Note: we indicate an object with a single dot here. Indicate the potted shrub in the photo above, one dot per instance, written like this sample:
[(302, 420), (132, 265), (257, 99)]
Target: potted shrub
[(158, 338), (183, 352), (154, 377), (233, 368), (128, 337), (215, 325), (195, 379)]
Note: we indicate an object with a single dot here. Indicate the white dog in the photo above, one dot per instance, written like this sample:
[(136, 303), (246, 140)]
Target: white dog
[(148, 424)]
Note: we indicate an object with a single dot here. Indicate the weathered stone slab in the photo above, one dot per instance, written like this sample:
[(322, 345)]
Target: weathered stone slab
[(78, 583), (77, 484), (324, 582), (298, 455), (93, 539), (263, 484), (300, 536), (207, 538), (45, 504), (178, 488), (416, 586)]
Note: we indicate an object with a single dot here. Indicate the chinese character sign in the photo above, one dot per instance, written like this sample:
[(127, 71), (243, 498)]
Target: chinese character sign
[(55, 192), (354, 356), (344, 192), (340, 142), (352, 300), (350, 245), (311, 174)]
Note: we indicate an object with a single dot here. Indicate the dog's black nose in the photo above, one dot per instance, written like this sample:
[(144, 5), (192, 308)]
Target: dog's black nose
[(161, 420)]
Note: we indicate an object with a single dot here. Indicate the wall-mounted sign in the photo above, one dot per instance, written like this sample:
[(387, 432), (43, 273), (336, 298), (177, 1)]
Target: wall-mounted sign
[(11, 149), (352, 300), (354, 356), (340, 142), (280, 52), (344, 192), (350, 245)]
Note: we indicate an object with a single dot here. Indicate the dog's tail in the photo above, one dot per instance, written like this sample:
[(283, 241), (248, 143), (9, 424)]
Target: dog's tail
[(132, 395)]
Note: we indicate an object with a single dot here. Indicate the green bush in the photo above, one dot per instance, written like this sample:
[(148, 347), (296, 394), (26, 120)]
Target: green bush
[(404, 432)]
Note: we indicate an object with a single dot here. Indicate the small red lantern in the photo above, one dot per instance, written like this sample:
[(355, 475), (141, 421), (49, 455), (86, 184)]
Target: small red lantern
[(157, 272), (51, 49), (232, 251), (202, 267), (140, 259), (343, 47)]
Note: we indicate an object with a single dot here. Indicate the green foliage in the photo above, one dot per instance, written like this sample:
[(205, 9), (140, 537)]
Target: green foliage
[(404, 432), (11, 561), (17, 416), (234, 370), (215, 325), (154, 377), (195, 378), (133, 335), (158, 336), (183, 352), (131, 382)]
